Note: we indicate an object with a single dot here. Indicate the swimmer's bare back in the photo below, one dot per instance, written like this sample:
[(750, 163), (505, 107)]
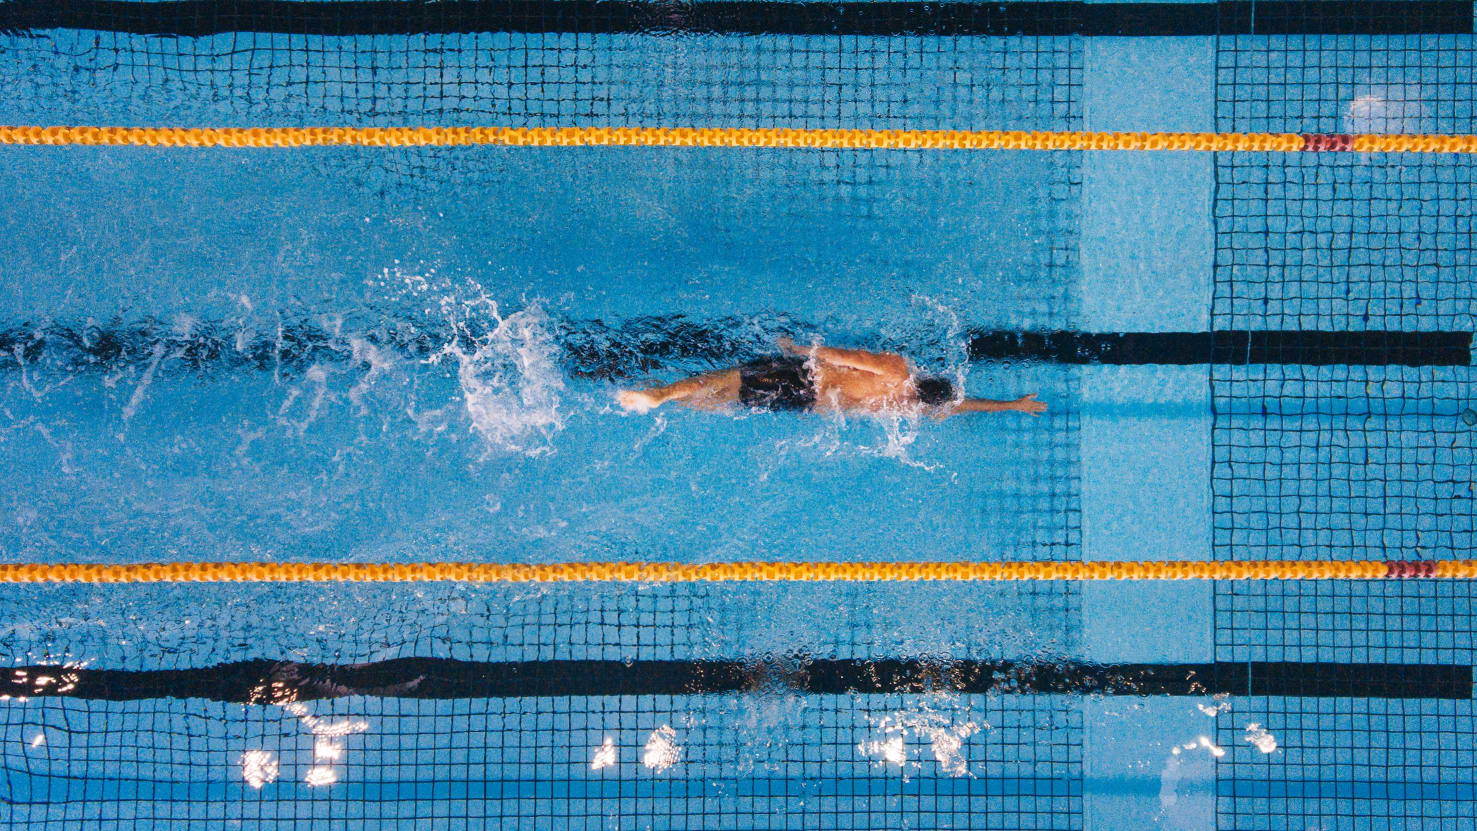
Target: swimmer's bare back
[(824, 379)]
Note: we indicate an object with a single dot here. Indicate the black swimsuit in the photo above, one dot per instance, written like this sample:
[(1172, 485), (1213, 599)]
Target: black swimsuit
[(776, 384)]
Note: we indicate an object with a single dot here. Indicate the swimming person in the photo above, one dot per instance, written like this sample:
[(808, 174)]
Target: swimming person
[(826, 380)]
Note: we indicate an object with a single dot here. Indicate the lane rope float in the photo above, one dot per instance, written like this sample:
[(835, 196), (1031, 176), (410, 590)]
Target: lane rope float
[(627, 572), (732, 137)]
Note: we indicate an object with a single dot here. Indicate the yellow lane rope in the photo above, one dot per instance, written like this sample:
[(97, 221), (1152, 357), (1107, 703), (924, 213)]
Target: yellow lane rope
[(290, 572), (729, 137)]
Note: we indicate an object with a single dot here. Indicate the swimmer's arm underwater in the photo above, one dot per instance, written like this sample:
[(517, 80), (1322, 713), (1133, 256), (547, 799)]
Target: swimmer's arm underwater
[(1025, 404), (877, 363)]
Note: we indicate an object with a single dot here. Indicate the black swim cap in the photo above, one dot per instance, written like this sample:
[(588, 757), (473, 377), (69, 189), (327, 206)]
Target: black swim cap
[(934, 391)]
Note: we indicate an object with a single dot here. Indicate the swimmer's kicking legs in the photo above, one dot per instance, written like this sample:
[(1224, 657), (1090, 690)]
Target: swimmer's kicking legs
[(710, 391)]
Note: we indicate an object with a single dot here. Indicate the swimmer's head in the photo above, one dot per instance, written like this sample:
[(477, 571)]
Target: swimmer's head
[(934, 391)]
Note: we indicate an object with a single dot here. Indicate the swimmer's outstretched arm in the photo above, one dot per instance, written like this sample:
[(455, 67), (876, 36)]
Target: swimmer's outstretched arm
[(877, 363), (1025, 404)]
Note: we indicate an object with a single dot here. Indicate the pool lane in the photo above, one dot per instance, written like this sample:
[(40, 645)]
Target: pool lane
[(264, 681)]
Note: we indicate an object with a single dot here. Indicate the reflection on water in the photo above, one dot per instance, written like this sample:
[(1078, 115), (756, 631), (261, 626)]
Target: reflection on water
[(328, 748), (605, 755), (944, 739), (661, 751), (1261, 738), (259, 768), (1388, 109), (747, 719)]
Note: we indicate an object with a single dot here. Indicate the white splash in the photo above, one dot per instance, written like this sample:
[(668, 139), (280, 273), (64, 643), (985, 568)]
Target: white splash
[(327, 750), (380, 362), (843, 435), (1261, 738), (258, 768), (320, 775), (509, 380), (901, 433), (315, 387), (604, 755), (661, 751), (137, 398), (39, 740)]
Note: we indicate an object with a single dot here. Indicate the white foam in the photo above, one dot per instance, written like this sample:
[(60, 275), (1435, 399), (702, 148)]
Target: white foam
[(315, 388), (947, 744), (511, 383), (137, 398), (893, 435), (380, 361)]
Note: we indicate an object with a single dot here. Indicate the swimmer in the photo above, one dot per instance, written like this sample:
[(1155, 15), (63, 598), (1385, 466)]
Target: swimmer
[(824, 379)]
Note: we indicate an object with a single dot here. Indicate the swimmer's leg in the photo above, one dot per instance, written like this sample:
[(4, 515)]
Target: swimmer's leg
[(709, 391)]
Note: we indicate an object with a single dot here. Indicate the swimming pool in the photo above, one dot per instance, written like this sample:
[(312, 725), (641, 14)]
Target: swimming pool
[(393, 355)]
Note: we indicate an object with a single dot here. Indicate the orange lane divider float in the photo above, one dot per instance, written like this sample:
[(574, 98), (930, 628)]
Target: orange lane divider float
[(614, 572), (730, 137)]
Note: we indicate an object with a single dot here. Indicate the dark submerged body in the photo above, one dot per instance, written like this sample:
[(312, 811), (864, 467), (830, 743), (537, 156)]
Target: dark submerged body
[(777, 384)]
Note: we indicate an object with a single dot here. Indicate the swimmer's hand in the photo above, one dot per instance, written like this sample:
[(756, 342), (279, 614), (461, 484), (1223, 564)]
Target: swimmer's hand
[(637, 401), (788, 347), (1029, 405)]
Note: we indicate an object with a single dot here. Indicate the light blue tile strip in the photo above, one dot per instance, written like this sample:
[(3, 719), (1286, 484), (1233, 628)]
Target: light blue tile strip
[(1149, 763), (1147, 258), (1146, 495), (1147, 236)]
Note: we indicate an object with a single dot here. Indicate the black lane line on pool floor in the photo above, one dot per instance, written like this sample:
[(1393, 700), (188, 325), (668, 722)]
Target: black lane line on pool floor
[(743, 17), (1240, 347), (593, 349), (269, 682)]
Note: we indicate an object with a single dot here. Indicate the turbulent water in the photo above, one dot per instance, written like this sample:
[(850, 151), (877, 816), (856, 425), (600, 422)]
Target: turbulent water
[(447, 423)]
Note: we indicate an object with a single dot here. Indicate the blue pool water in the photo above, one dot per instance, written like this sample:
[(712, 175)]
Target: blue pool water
[(380, 355), (476, 441)]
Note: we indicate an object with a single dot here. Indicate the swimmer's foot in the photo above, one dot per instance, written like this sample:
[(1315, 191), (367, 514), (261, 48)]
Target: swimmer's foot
[(637, 401)]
